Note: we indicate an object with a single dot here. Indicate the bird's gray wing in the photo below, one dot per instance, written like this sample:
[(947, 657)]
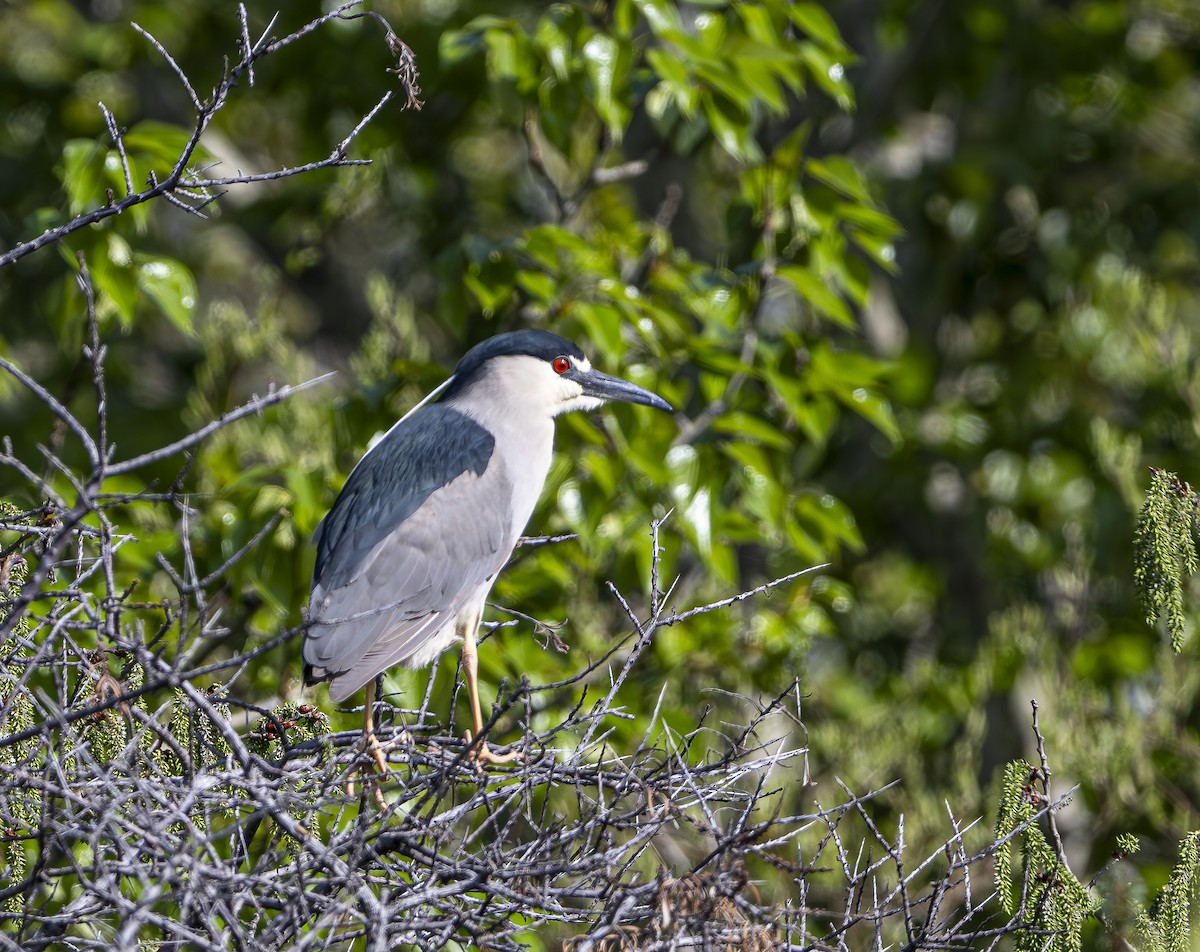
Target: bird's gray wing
[(416, 458), (398, 556)]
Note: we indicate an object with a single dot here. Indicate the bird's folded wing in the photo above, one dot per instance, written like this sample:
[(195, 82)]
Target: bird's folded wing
[(396, 478), (411, 583)]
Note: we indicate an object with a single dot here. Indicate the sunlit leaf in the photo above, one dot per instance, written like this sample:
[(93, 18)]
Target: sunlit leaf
[(814, 291), (840, 173), (170, 285), (754, 428), (731, 130), (606, 63), (661, 15), (81, 171), (815, 20), (877, 410)]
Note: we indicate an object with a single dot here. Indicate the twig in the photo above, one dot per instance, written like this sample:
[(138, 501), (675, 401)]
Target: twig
[(57, 409), (119, 141), (250, 408), (175, 67), (674, 619), (1044, 778)]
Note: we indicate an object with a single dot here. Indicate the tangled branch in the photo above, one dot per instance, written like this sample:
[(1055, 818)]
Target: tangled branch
[(144, 799)]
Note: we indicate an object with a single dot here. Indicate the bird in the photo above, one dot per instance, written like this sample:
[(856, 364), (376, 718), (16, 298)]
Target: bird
[(431, 513)]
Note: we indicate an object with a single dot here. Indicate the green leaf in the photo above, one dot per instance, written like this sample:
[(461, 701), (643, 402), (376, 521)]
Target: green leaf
[(555, 45), (606, 66), (759, 25), (160, 144), (731, 128), (602, 323), (869, 219), (815, 21), (662, 17), (817, 418), (560, 113), (881, 250), (718, 73), (814, 291), (830, 74), (82, 174), (624, 18), (538, 285), (675, 79), (724, 363), (171, 286), (840, 371), (753, 428), (491, 295), (875, 409), (550, 244), (840, 173), (790, 150), (750, 455), (114, 280), (833, 520), (758, 75), (711, 29), (454, 46), (511, 59)]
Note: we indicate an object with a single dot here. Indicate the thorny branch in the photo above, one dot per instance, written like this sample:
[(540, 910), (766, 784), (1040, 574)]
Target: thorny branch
[(142, 802), (1043, 777), (191, 189)]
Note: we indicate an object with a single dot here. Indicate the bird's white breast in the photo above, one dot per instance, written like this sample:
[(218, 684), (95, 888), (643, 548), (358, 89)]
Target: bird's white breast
[(518, 410)]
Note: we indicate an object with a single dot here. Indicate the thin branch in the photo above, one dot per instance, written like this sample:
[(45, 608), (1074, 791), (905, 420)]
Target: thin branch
[(119, 141), (175, 67), (250, 408), (1044, 777), (176, 186), (674, 619), (57, 409), (246, 48)]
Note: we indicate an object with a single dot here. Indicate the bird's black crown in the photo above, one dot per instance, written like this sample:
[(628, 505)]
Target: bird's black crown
[(531, 343)]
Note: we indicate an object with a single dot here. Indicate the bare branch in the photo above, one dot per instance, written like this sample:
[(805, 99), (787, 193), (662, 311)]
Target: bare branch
[(56, 408), (250, 408), (674, 619), (119, 141), (176, 186), (175, 68), (155, 805), (1044, 778)]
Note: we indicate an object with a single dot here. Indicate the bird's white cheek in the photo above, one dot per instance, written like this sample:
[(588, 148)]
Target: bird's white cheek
[(580, 403)]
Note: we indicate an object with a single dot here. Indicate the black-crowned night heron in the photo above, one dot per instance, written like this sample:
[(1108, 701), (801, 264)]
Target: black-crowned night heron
[(409, 551)]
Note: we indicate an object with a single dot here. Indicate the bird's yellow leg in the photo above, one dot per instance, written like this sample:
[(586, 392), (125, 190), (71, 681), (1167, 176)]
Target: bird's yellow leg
[(370, 741), (478, 752), (372, 746)]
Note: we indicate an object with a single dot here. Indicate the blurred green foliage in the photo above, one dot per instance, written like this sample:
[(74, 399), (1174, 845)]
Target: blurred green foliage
[(1040, 159), (928, 309)]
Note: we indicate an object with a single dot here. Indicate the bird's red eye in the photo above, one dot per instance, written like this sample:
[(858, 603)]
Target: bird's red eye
[(561, 365)]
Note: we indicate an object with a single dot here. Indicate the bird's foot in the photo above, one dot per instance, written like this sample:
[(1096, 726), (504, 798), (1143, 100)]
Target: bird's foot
[(375, 749), (480, 754)]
